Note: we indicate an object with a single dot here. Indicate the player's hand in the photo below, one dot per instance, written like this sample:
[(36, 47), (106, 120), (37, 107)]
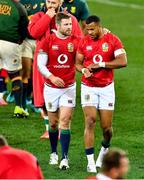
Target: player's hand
[(93, 67), (56, 81), (51, 12), (65, 10), (87, 73)]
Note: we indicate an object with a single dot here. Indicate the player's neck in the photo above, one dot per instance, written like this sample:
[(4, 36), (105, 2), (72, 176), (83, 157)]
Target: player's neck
[(101, 33), (61, 36)]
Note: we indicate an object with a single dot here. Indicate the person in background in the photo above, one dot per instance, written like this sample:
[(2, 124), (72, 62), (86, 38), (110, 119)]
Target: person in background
[(115, 165), (17, 164), (78, 8), (13, 30), (29, 45)]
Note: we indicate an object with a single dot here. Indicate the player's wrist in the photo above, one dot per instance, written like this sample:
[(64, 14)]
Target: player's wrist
[(49, 74), (83, 70), (102, 64)]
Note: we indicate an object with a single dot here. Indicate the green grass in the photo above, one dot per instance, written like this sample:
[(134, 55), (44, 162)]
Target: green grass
[(128, 126)]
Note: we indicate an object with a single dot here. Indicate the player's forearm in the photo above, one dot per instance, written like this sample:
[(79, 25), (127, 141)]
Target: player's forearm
[(79, 67), (116, 63), (42, 60)]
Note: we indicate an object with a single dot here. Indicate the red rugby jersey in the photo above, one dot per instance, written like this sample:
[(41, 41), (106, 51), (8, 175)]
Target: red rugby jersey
[(61, 57), (104, 49), (18, 164)]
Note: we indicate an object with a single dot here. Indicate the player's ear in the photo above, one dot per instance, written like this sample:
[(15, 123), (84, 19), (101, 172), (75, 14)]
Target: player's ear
[(57, 26)]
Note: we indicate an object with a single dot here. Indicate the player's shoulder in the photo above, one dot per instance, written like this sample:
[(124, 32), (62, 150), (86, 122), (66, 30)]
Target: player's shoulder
[(111, 36), (86, 38), (81, 1), (75, 37), (25, 154)]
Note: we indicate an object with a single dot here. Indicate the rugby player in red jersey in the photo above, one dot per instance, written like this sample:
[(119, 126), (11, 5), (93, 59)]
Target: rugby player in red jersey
[(40, 24), (98, 54), (17, 164), (56, 62)]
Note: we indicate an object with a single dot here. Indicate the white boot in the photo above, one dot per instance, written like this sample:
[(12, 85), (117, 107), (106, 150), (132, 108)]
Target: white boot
[(102, 152)]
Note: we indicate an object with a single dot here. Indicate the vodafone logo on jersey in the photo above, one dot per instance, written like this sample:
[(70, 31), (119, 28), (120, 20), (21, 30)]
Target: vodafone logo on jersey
[(62, 59), (97, 58)]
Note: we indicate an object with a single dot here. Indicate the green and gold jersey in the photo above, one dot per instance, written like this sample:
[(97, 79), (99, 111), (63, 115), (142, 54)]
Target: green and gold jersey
[(78, 8), (13, 21), (32, 6)]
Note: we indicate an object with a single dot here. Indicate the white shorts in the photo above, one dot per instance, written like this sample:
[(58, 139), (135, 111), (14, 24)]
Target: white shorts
[(100, 97), (10, 56), (56, 97), (29, 46)]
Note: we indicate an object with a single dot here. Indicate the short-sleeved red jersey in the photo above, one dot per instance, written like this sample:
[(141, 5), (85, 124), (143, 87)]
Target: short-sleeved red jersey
[(18, 164), (104, 49), (39, 26), (61, 57)]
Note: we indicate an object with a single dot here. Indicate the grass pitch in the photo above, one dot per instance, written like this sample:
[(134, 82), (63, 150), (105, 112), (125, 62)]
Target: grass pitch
[(126, 22)]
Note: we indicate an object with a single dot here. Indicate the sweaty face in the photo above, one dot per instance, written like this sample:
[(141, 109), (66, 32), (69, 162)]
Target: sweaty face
[(65, 28), (123, 169), (55, 4), (94, 30)]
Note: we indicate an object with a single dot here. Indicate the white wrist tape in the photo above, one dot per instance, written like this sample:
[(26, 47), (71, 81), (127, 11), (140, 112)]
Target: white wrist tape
[(83, 70), (102, 64)]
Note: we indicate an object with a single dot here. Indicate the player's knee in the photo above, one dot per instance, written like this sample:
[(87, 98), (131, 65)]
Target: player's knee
[(90, 122), (108, 132), (16, 85), (54, 126), (16, 80), (65, 122)]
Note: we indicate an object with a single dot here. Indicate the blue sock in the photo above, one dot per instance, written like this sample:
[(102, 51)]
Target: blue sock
[(89, 151), (17, 92), (105, 144), (53, 136), (24, 95), (65, 141)]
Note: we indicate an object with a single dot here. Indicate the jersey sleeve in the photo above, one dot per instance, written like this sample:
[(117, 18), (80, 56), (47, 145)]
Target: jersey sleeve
[(23, 21), (76, 29), (118, 46), (39, 25), (84, 11), (44, 44), (81, 47)]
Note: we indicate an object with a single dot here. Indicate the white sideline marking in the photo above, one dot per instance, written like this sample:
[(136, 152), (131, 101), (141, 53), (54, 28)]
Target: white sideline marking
[(119, 4)]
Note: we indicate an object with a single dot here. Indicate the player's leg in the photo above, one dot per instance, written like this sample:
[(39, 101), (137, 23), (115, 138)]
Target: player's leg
[(51, 97), (90, 122), (53, 136), (12, 63), (66, 104), (106, 125), (89, 101), (26, 73), (64, 120), (27, 57), (106, 107), (44, 115)]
